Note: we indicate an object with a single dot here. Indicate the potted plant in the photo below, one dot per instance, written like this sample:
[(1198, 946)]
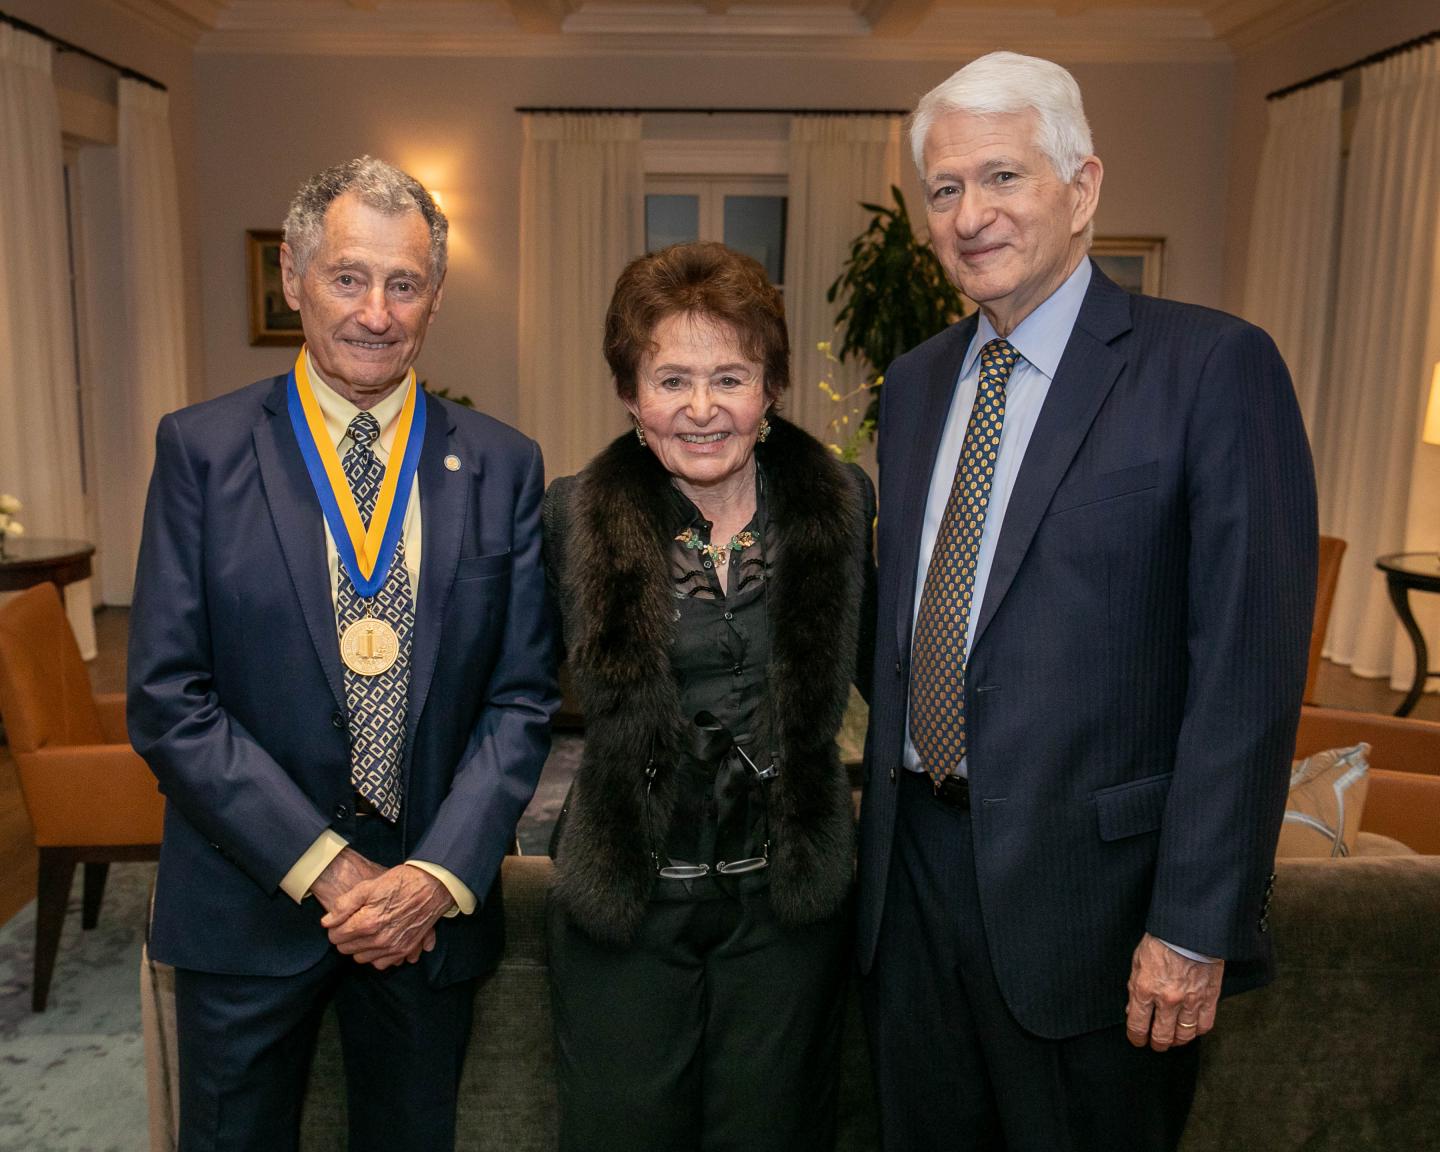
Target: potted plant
[(895, 296)]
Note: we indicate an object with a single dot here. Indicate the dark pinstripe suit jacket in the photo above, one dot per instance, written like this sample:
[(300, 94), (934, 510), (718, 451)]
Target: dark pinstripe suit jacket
[(1138, 659)]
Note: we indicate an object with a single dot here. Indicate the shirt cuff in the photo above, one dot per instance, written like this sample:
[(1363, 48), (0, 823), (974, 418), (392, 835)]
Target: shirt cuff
[(1189, 955), (463, 897), (301, 878)]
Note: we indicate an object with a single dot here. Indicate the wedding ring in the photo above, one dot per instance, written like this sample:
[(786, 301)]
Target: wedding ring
[(1184, 1024)]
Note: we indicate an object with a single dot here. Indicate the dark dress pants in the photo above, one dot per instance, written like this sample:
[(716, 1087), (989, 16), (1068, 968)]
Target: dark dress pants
[(953, 1068), (717, 1030), (245, 1044)]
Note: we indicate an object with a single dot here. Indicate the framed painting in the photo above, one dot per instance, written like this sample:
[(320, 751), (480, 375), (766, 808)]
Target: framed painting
[(272, 321), (1136, 263)]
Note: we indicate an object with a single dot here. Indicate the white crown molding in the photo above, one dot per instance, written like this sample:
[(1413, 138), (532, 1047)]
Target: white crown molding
[(492, 29), (1250, 25), (188, 19), (739, 21)]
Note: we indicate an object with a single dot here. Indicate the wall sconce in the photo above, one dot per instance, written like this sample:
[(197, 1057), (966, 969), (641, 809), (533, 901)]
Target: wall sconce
[(1431, 432)]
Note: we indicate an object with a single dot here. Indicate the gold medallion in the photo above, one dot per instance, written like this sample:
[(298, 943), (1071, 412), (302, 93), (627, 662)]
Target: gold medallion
[(369, 646)]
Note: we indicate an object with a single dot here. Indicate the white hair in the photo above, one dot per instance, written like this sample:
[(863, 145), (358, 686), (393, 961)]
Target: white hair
[(1004, 83)]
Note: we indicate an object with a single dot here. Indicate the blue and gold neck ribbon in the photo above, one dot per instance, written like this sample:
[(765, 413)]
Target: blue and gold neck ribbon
[(366, 552)]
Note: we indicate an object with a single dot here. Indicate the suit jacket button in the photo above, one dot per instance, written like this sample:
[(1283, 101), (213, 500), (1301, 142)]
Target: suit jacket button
[(342, 812), (337, 719), (892, 774), (898, 671), (1264, 923)]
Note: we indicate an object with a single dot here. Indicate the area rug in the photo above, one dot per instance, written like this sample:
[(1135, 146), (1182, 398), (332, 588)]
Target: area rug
[(72, 1078)]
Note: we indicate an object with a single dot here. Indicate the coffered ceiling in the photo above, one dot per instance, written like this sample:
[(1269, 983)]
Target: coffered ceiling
[(1074, 30)]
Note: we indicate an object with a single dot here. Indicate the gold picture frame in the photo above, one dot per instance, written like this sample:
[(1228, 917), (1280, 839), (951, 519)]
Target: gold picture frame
[(273, 323), (1136, 263)]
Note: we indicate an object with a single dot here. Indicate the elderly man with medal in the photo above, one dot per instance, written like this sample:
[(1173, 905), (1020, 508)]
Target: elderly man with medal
[(341, 672)]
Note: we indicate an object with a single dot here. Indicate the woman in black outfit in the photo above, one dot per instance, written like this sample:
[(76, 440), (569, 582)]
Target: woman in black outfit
[(714, 572)]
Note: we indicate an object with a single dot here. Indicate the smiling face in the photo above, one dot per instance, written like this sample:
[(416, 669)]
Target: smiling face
[(700, 400), (366, 298), (1006, 228)]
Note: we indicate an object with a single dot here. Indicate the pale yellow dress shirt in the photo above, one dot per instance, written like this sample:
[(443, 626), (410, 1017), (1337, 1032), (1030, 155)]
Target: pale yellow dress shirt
[(338, 412)]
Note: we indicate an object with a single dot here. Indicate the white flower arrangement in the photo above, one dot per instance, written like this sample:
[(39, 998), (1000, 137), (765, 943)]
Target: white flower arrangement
[(9, 526)]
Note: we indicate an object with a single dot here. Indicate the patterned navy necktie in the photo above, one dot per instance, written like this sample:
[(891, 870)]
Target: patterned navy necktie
[(937, 678), (377, 704)]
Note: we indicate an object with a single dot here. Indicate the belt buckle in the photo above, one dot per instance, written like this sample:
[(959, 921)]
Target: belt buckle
[(953, 791)]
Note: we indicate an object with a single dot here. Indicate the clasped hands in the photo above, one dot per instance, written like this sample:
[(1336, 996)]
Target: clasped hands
[(1172, 998), (380, 916)]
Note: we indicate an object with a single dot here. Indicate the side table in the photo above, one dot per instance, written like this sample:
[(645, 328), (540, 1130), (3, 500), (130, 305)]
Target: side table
[(27, 562), (1404, 572)]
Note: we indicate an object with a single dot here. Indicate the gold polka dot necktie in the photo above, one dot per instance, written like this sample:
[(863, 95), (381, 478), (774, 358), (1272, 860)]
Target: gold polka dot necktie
[(937, 676)]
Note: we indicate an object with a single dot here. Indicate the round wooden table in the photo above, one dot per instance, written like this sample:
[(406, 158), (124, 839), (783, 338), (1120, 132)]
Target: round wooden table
[(30, 561), (1405, 571)]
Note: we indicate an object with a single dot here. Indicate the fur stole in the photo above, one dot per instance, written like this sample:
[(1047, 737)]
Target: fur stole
[(615, 589)]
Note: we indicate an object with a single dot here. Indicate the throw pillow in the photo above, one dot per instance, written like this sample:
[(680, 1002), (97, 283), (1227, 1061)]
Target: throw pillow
[(1327, 796)]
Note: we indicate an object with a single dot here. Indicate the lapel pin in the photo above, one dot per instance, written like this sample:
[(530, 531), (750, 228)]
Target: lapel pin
[(452, 463)]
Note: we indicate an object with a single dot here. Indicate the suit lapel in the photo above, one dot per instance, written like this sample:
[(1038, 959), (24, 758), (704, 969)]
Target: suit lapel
[(919, 465), (444, 511), (300, 526), (1087, 372)]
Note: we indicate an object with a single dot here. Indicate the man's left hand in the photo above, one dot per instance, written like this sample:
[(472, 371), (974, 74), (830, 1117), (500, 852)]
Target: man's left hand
[(1172, 998), (388, 920)]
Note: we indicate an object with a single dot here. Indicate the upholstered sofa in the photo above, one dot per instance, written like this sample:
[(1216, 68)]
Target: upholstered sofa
[(1341, 1052)]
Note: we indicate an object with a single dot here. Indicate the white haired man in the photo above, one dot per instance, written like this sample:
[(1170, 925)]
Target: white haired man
[(1097, 557), (341, 672)]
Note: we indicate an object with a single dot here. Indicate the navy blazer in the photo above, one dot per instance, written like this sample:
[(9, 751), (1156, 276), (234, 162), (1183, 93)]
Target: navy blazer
[(237, 696), (1137, 662)]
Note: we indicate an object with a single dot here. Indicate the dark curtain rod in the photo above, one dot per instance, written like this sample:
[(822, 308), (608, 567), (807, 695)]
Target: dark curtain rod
[(66, 46), (1373, 58), (713, 111)]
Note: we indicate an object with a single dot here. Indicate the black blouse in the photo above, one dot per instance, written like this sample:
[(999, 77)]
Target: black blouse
[(719, 658)]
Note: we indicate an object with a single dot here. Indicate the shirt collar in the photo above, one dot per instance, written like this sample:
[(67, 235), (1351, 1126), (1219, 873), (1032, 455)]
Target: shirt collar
[(338, 411), (1041, 337)]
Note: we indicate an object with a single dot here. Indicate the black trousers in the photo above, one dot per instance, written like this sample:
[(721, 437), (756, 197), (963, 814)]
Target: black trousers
[(245, 1045), (953, 1068), (716, 1031)]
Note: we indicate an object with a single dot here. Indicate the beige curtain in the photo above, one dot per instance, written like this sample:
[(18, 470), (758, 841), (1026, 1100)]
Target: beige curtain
[(1290, 278), (39, 431), (836, 162), (1376, 489), (149, 376), (582, 218)]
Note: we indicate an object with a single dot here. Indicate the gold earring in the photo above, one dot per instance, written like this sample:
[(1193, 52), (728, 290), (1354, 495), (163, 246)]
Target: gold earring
[(639, 433), (764, 433)]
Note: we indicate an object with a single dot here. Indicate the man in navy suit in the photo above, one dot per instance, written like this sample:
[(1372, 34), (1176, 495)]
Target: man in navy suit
[(1097, 560), (341, 673)]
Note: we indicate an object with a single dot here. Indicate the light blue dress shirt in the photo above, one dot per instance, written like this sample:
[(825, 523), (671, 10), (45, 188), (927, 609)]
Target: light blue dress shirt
[(1040, 339)]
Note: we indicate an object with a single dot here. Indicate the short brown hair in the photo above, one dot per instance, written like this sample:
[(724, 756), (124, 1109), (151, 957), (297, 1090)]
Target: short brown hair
[(702, 279)]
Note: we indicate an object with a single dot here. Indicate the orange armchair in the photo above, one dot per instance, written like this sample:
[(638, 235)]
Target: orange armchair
[(1332, 551), (91, 799)]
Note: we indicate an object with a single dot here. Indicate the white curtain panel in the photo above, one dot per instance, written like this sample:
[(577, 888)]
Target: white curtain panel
[(39, 431), (836, 163), (150, 372), (1387, 335), (1290, 278), (582, 219)]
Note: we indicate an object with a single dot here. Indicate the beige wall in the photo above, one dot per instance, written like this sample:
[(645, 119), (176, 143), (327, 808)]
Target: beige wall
[(265, 123), (138, 44), (1345, 35)]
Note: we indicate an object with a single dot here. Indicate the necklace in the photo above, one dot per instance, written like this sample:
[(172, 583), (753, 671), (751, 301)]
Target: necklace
[(719, 554)]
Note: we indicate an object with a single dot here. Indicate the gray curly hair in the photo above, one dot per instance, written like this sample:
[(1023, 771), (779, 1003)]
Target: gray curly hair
[(381, 186)]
